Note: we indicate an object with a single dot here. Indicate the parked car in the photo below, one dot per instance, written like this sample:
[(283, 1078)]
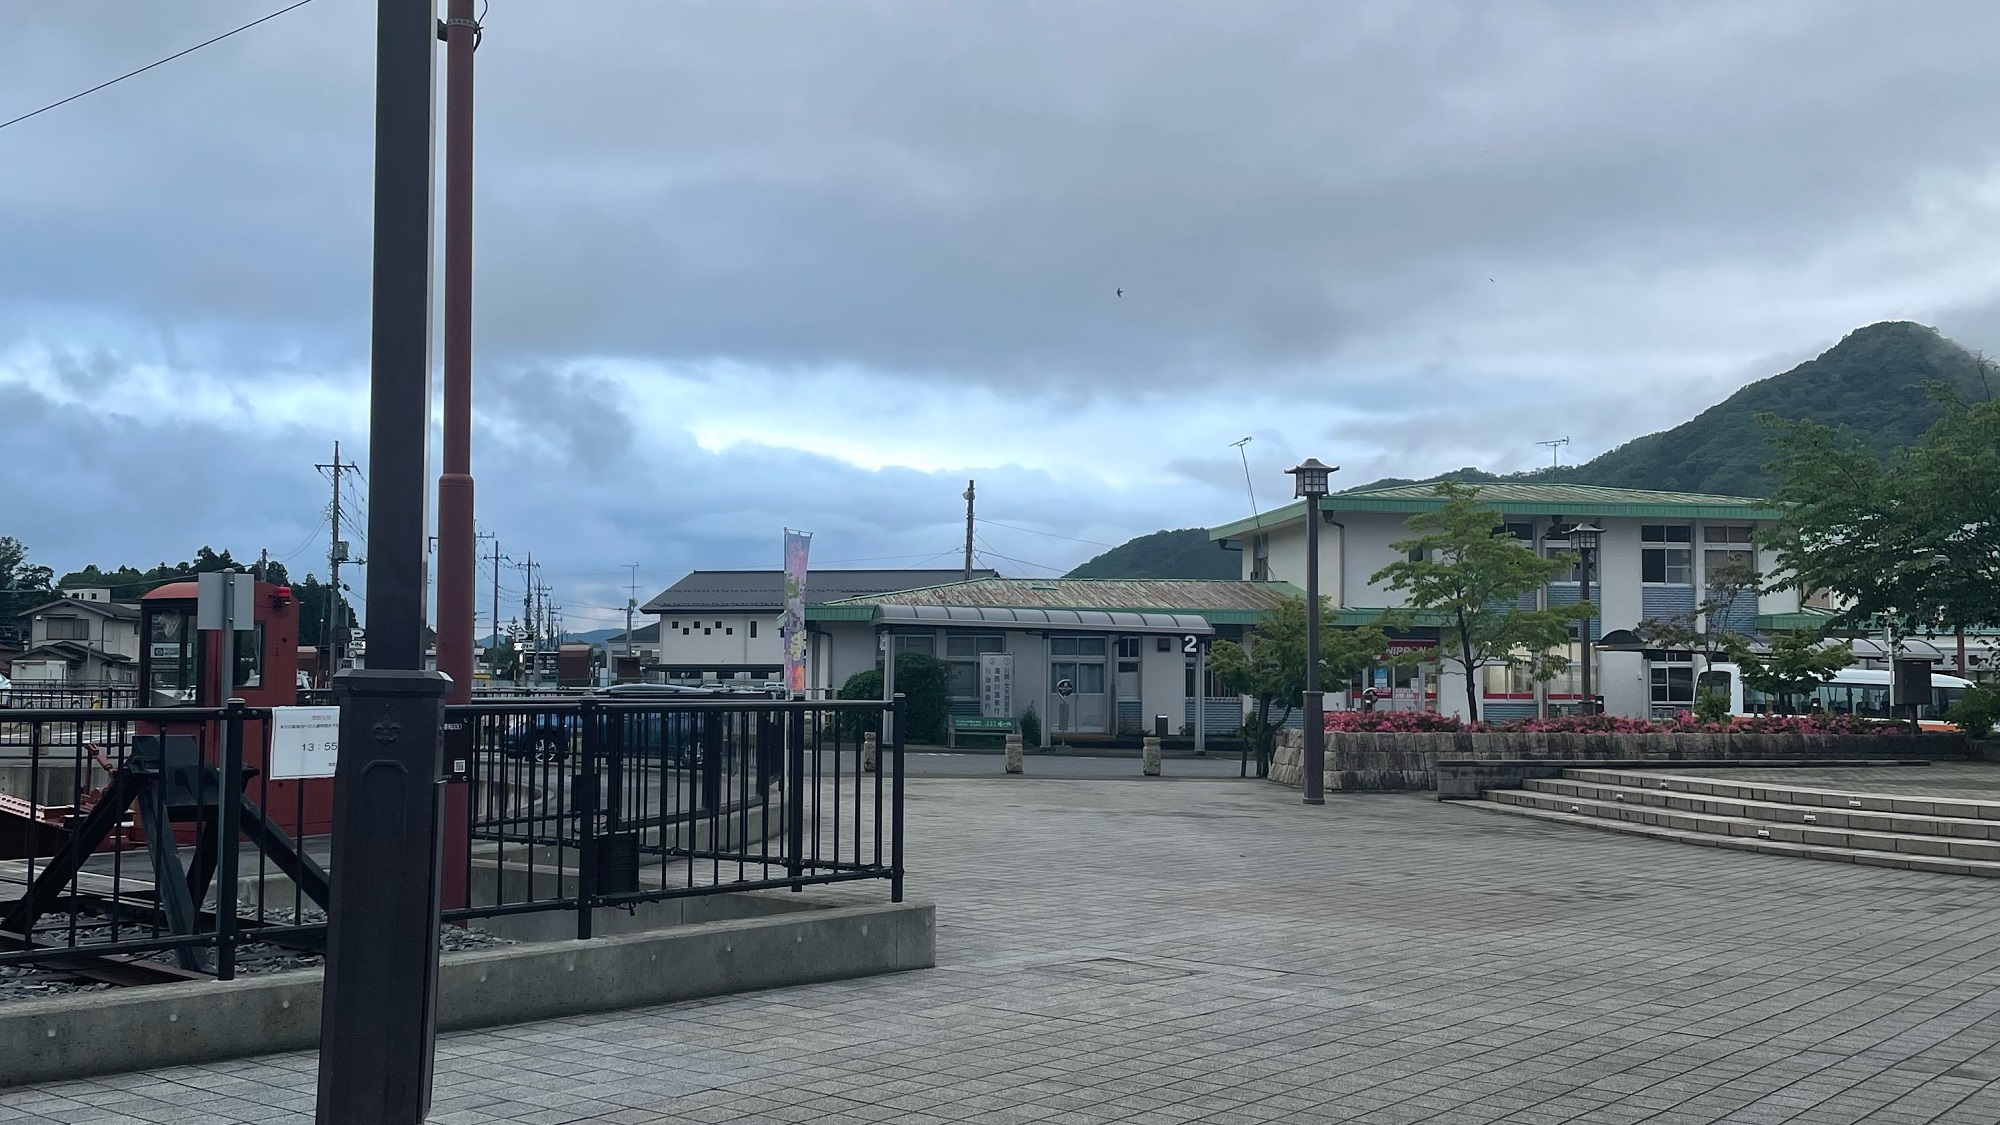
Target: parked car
[(674, 737)]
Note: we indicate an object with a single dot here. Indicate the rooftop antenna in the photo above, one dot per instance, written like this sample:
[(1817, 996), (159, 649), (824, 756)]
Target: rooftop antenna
[(1241, 452), (1555, 450)]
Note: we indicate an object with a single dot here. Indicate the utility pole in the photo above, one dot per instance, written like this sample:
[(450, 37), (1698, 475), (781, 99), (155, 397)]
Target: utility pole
[(529, 616), (631, 603), (335, 633), (458, 544), (497, 556), (971, 489)]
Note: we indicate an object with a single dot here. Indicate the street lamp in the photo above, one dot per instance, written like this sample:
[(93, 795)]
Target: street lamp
[(1309, 481), (1584, 538)]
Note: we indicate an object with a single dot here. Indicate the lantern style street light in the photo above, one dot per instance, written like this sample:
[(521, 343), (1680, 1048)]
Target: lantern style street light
[(1584, 538), (1309, 480)]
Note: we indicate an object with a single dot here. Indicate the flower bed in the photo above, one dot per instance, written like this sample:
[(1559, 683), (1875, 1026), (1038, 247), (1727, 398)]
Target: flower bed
[(1431, 722)]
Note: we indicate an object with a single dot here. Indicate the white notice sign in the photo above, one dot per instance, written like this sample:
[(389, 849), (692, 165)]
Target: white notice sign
[(996, 685), (305, 741)]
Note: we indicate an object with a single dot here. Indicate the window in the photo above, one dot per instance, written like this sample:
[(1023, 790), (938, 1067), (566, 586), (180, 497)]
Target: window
[(923, 644), (753, 628), (1260, 558), (1416, 554), (1570, 559), (1672, 676), (67, 628), (1671, 561), (1525, 532), (730, 631), (963, 651), (1076, 646), (1726, 545), (1128, 648)]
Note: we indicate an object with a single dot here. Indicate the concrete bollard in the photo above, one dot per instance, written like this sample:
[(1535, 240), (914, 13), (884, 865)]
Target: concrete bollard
[(1014, 753), (868, 753), (1149, 756)]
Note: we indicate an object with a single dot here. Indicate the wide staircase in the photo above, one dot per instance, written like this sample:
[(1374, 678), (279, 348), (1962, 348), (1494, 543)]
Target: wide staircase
[(1919, 833)]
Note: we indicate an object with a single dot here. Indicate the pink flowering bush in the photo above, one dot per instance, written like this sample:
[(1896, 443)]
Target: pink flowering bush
[(1411, 722)]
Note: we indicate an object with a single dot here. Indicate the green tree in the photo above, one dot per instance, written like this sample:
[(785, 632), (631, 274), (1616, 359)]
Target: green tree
[(23, 585), (1271, 669), (1798, 662), (1464, 565), (1911, 542), (925, 685)]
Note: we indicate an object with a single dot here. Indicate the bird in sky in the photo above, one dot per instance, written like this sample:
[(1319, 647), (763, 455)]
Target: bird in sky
[(1121, 292)]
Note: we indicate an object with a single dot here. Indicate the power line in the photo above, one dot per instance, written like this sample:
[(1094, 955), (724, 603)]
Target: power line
[(1024, 562), (151, 65), (1050, 534)]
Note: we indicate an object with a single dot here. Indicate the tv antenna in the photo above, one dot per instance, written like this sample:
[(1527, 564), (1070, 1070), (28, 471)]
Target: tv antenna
[(1555, 450), (1241, 452)]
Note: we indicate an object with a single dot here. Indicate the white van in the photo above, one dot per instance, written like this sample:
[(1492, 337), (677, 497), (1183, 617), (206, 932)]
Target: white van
[(1851, 691)]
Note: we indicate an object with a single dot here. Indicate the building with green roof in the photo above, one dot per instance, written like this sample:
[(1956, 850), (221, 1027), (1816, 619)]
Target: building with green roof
[(1656, 551)]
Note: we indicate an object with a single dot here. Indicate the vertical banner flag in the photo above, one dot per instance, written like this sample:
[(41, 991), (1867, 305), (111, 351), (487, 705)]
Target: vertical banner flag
[(797, 545)]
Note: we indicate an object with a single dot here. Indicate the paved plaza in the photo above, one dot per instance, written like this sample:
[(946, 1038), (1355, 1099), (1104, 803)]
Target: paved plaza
[(1210, 950)]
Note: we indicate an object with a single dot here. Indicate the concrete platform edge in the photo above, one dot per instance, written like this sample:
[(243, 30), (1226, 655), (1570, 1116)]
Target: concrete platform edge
[(81, 1035)]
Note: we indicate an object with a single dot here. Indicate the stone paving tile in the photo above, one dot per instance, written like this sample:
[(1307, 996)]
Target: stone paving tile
[(1214, 952)]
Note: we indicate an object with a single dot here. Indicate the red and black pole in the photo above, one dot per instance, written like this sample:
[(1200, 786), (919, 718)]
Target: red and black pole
[(458, 545)]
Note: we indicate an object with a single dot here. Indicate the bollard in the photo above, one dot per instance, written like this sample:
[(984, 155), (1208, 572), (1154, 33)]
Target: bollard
[(1014, 753), (868, 753), (1149, 756)]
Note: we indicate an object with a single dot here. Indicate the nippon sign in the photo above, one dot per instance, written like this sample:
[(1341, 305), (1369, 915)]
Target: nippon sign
[(996, 685)]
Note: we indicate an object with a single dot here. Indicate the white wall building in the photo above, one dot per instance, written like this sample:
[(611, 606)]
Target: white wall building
[(1656, 551)]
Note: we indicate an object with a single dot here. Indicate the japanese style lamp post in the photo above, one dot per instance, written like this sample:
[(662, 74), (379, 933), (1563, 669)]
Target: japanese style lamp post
[(1309, 481), (1584, 538)]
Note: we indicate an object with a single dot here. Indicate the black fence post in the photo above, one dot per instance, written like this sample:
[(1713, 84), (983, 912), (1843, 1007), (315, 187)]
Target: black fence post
[(896, 809), (585, 781), (795, 794), (227, 828), (711, 762)]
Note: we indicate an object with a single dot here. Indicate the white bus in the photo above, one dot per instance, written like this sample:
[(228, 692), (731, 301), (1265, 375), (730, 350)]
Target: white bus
[(1851, 691)]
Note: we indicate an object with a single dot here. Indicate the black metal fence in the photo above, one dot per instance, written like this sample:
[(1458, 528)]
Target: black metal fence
[(113, 821), (591, 804), (113, 825)]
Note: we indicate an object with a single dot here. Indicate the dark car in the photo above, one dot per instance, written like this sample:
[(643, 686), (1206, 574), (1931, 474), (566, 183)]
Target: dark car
[(674, 737)]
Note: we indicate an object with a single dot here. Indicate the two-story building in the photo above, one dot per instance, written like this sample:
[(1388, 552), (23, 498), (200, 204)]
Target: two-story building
[(83, 637), (1656, 552), (723, 624)]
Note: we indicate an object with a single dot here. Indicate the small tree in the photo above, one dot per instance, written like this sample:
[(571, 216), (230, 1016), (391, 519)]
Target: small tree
[(1465, 566), (1272, 669), (1798, 662), (925, 685)]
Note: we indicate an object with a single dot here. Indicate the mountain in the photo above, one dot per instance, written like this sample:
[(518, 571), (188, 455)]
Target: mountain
[(1873, 382), (1186, 553)]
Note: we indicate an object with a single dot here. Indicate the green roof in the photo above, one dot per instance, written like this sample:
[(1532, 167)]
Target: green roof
[(1523, 499), (1221, 601)]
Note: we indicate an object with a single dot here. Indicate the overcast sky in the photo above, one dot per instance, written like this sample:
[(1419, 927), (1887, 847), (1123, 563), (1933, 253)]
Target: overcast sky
[(744, 265)]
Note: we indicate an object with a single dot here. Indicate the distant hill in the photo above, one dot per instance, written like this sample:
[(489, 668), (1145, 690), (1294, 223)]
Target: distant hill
[(1186, 553), (1872, 382)]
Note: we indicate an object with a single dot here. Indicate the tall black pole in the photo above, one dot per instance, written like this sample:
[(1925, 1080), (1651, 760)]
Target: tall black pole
[(378, 1026), (1315, 717), (1584, 560)]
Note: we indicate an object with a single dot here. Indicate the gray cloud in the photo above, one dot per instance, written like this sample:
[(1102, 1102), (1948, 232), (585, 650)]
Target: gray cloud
[(1303, 202)]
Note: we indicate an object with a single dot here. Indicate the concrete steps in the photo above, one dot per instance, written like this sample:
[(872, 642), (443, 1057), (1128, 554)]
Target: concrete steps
[(1916, 833)]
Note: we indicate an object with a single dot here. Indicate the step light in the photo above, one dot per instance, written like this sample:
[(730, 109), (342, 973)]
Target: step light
[(1811, 819), (1664, 785), (1573, 808), (1853, 804), (1763, 833), (1618, 796)]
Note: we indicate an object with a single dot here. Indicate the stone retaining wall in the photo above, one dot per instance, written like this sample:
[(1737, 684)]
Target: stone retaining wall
[(1395, 762)]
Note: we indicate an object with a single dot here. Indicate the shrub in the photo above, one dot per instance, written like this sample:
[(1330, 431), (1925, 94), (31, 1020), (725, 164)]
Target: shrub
[(1685, 723), (925, 684), (1031, 727), (1977, 711), (1712, 707)]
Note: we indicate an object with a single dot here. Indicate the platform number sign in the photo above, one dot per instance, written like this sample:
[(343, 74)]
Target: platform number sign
[(305, 741), (1190, 644)]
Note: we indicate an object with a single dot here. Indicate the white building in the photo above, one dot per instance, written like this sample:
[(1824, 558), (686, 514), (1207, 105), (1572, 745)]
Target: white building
[(82, 637), (723, 624), (1656, 551)]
